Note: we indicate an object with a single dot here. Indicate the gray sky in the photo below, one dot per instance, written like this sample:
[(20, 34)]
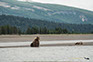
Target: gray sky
[(85, 4)]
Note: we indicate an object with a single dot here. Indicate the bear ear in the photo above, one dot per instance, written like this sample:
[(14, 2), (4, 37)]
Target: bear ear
[(38, 38)]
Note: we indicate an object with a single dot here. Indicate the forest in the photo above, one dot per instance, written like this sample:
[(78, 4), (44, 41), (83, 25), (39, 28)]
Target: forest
[(7, 29), (10, 24)]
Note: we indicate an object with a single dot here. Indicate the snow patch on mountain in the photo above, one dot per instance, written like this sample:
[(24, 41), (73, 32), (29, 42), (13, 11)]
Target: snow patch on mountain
[(15, 8), (3, 4), (6, 5), (62, 12), (83, 18), (29, 9), (41, 8), (25, 0)]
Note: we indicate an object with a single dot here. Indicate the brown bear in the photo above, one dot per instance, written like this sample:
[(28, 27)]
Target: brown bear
[(79, 43), (35, 43)]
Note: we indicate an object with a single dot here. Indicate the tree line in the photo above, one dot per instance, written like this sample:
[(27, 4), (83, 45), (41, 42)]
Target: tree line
[(7, 29), (23, 24)]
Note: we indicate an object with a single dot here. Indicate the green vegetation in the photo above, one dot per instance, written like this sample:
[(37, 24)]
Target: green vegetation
[(16, 25), (48, 12), (9, 30), (34, 30)]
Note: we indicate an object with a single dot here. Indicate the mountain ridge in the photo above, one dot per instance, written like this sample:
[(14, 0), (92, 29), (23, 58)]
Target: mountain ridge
[(48, 12)]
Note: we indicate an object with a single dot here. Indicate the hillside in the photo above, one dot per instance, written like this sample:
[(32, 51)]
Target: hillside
[(24, 23), (47, 12)]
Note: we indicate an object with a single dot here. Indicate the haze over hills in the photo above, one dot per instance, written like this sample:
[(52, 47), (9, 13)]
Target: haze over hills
[(48, 12)]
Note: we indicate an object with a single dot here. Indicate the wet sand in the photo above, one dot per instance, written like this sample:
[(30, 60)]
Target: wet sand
[(45, 38), (25, 38), (50, 45)]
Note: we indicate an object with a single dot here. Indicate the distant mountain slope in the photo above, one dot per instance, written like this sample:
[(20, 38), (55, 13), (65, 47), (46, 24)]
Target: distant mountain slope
[(48, 12), (24, 23)]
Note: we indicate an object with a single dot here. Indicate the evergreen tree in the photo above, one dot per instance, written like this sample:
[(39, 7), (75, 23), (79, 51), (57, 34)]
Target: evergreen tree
[(40, 30), (19, 31), (34, 30), (65, 31), (3, 30), (28, 31), (58, 30), (45, 30), (15, 30)]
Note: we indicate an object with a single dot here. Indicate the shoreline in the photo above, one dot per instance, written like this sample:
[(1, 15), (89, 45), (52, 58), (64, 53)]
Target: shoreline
[(50, 44), (45, 37)]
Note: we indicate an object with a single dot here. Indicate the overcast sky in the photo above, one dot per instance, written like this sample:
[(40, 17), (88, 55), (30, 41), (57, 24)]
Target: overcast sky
[(85, 4)]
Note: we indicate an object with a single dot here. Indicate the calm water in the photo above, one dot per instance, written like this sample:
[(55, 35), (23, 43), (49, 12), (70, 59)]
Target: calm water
[(54, 53)]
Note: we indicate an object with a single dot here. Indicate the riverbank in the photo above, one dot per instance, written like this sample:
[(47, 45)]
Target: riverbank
[(24, 38), (55, 48)]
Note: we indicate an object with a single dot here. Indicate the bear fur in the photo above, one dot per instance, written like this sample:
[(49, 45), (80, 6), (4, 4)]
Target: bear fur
[(35, 43), (78, 43)]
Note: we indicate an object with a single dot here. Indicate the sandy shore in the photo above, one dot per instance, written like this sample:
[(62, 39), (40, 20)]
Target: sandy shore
[(24, 38), (47, 38), (15, 48)]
